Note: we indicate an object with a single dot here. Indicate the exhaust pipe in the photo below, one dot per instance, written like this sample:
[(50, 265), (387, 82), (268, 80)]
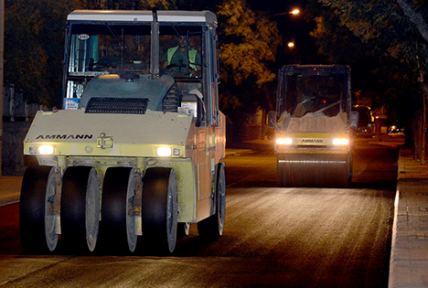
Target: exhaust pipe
[(154, 47)]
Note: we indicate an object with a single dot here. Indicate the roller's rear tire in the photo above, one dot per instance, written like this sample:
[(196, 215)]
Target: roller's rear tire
[(183, 229), (213, 226)]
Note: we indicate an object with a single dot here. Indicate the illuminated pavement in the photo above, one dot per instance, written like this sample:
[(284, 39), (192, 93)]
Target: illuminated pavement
[(409, 251), (10, 189)]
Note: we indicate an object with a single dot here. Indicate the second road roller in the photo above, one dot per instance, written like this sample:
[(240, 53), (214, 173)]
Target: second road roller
[(314, 125)]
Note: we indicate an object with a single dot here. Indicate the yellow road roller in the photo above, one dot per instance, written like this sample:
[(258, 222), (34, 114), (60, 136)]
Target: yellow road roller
[(133, 158)]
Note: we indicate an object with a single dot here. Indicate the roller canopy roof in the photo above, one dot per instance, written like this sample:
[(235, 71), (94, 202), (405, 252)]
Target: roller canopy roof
[(308, 70), (143, 16)]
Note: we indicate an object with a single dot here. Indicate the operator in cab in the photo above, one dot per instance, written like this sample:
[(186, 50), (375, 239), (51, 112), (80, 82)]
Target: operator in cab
[(183, 58)]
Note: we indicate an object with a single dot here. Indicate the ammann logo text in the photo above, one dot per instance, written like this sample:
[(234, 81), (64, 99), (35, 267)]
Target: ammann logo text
[(313, 141), (64, 137)]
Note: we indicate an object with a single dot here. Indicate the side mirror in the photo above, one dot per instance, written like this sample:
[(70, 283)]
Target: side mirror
[(353, 119), (192, 104), (271, 119)]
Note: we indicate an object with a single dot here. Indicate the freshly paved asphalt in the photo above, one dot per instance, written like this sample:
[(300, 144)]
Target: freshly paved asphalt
[(409, 249)]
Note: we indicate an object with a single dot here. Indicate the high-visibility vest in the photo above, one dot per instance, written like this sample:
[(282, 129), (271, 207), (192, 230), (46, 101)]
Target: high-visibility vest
[(191, 53)]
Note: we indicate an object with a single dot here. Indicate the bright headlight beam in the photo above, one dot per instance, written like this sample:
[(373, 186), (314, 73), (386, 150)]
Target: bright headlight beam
[(46, 149), (340, 141), (163, 151), (284, 141)]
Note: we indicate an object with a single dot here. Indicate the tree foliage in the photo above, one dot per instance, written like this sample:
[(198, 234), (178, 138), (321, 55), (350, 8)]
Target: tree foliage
[(124, 4), (394, 28), (33, 51), (249, 42), (396, 34), (248, 48), (376, 34)]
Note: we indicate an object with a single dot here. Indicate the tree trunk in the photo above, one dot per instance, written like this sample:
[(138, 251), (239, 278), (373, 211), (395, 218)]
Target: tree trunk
[(416, 17), (418, 127), (423, 134)]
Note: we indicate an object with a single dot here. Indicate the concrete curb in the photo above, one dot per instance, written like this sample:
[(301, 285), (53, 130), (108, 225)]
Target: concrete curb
[(409, 246)]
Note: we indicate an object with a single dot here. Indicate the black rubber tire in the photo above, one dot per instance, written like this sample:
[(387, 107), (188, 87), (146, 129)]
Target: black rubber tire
[(183, 229), (213, 226), (159, 209), (79, 227), (32, 211), (114, 226)]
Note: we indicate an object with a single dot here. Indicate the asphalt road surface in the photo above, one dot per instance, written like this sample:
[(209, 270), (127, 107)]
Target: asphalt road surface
[(274, 237)]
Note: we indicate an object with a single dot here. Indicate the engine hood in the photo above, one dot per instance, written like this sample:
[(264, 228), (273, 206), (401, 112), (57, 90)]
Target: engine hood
[(313, 123), (128, 85), (74, 132)]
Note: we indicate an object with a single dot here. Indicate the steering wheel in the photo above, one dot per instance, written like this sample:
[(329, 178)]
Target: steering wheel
[(180, 66), (104, 64)]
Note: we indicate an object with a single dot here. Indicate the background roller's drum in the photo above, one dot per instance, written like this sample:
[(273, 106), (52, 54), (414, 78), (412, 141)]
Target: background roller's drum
[(314, 170)]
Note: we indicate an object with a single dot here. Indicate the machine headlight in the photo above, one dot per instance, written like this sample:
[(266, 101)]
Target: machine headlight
[(284, 141), (42, 150), (163, 151), (341, 141)]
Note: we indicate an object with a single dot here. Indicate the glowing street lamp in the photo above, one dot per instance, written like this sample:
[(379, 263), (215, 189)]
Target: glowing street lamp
[(295, 12), (290, 45)]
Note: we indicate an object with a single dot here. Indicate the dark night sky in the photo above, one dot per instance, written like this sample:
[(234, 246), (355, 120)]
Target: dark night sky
[(292, 28), (275, 6)]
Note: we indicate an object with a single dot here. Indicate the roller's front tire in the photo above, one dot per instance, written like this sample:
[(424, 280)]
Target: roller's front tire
[(159, 209), (80, 209), (120, 203), (36, 212)]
